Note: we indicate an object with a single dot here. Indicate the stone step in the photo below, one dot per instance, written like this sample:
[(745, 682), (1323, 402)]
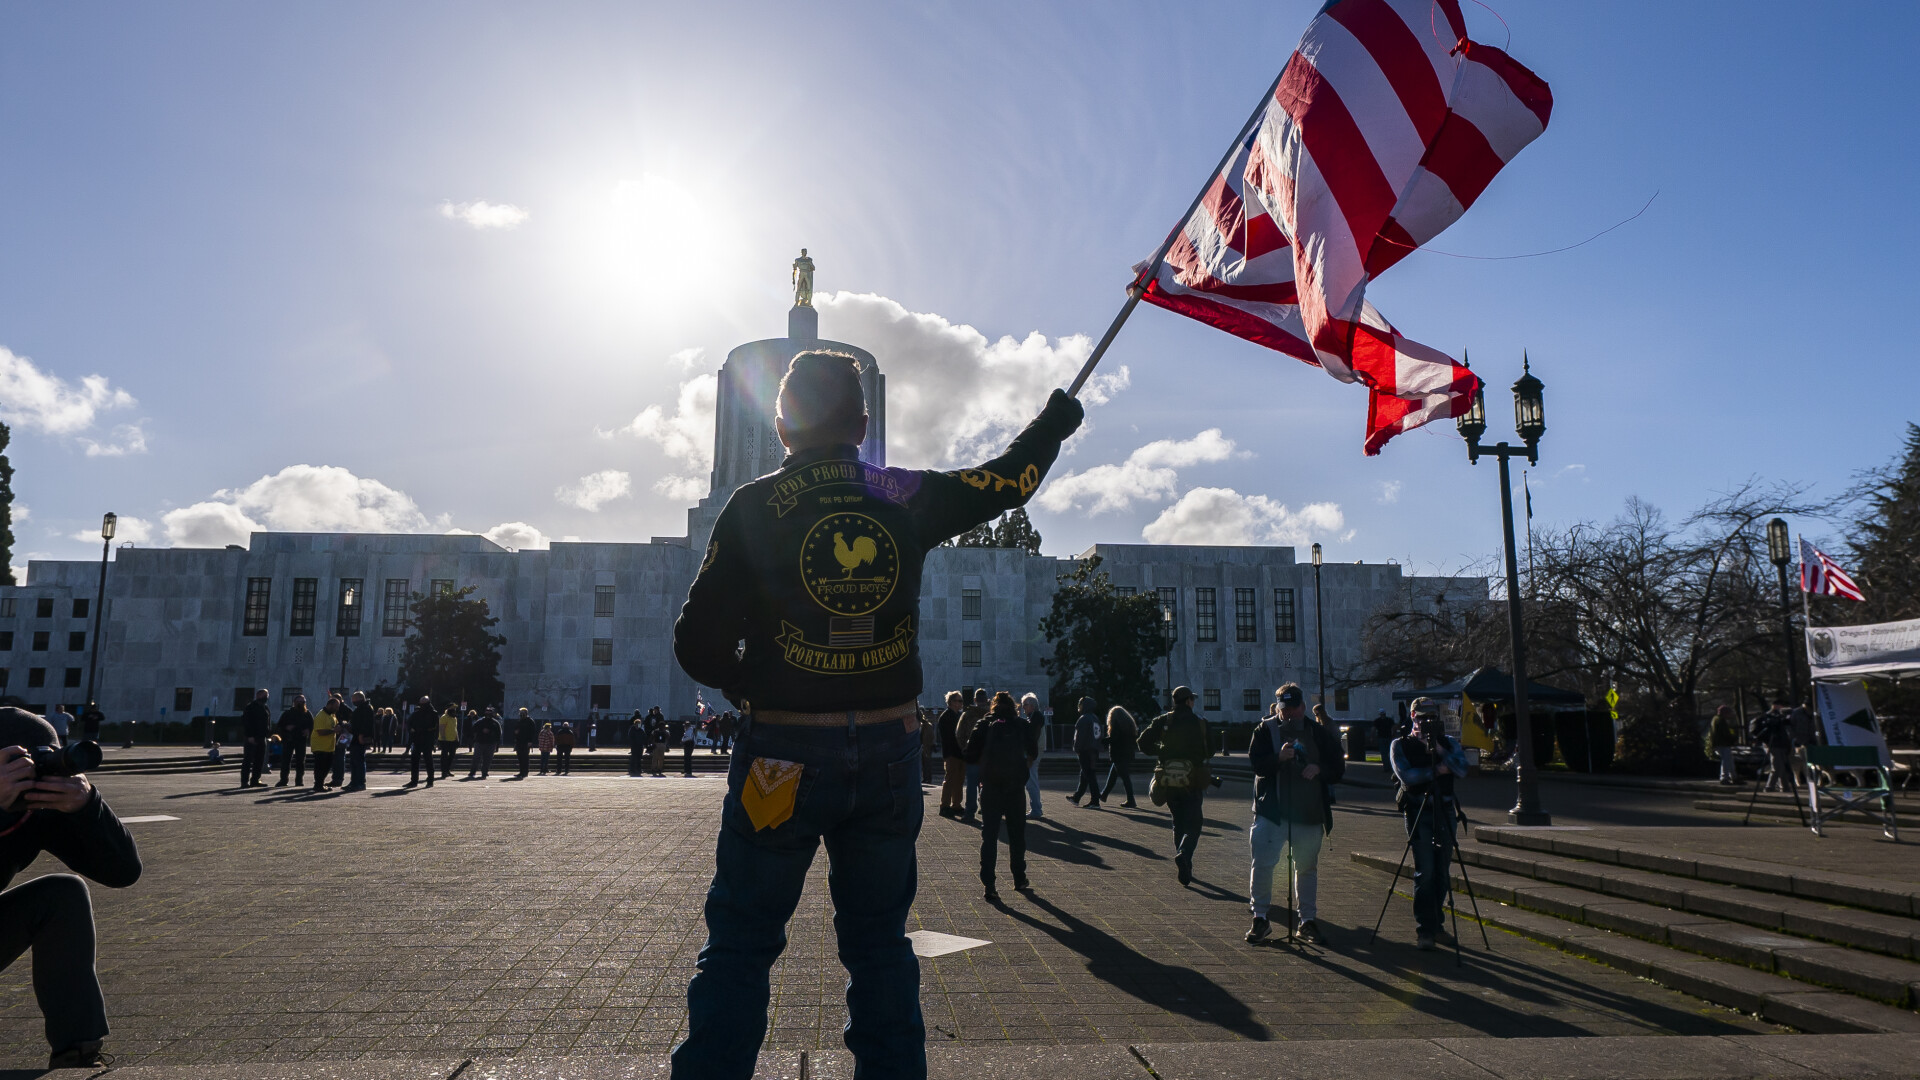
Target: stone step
[(1873, 931), (1851, 890), (1868, 975)]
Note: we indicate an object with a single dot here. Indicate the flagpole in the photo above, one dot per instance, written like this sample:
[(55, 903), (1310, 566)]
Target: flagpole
[(1137, 289)]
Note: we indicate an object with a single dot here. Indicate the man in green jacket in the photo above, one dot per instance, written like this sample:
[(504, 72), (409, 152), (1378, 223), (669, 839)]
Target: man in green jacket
[(1178, 740)]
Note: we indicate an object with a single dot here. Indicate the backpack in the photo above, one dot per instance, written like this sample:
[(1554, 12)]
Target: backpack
[(1004, 761)]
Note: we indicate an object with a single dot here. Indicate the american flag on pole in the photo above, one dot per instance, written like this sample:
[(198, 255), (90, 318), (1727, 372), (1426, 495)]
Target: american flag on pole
[(1823, 576), (1385, 126)]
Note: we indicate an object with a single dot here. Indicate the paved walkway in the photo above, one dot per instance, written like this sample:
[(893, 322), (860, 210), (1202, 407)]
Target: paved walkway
[(561, 916)]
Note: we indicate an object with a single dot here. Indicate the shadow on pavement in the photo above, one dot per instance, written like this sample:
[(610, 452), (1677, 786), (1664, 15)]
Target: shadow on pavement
[(1176, 989)]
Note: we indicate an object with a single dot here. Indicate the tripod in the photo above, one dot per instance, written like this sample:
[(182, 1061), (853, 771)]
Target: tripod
[(1413, 830), (1762, 778)]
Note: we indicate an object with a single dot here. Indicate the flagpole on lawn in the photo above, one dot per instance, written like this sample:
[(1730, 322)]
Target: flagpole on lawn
[(1138, 288)]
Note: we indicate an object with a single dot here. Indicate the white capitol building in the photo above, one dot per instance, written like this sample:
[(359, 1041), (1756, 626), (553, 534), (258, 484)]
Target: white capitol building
[(589, 625)]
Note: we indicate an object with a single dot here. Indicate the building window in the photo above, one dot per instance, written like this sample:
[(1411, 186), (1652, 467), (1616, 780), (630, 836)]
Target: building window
[(253, 621), (442, 587), (393, 609), (1250, 700), (36, 677), (1246, 625), (6, 607), (1340, 701), (43, 608), (602, 652), (1205, 619), (76, 641), (1124, 590), (346, 622), (1170, 602), (6, 640), (1210, 699), (81, 607), (242, 697), (40, 640), (600, 696), (969, 654), (1283, 614), (288, 693), (73, 677), (603, 601), (3, 678), (969, 603), (300, 619), (183, 699)]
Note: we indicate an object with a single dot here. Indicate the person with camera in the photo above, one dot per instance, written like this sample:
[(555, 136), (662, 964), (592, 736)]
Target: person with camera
[(46, 804), (423, 725), (256, 723), (1426, 763), (1292, 766), (1178, 740), (1003, 745)]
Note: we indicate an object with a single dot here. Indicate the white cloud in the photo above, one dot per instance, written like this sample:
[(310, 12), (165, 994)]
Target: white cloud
[(681, 488), (481, 214), (127, 439), (519, 536), (686, 358), (1389, 492), (594, 490), (126, 530), (1224, 516), (953, 396), (1148, 475), (20, 512), (32, 398), (298, 498), (687, 435)]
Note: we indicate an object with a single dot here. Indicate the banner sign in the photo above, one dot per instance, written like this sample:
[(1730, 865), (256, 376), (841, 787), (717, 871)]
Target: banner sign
[(1839, 652), (1848, 717)]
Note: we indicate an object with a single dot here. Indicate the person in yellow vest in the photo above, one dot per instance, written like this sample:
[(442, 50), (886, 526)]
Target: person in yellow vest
[(449, 739), (326, 724)]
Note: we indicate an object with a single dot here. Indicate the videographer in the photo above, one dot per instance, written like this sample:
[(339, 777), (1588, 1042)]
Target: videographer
[(1426, 762), (47, 805)]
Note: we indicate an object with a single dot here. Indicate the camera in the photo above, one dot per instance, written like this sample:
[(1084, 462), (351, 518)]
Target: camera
[(64, 760), (1432, 727)]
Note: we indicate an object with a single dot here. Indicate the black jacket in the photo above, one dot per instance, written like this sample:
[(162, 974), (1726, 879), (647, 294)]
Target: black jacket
[(366, 723), (423, 724), (256, 721), (817, 568), (950, 734), (524, 730), (296, 723), (91, 841), (486, 731)]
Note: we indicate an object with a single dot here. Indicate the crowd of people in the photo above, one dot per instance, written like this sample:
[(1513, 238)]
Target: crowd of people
[(335, 740)]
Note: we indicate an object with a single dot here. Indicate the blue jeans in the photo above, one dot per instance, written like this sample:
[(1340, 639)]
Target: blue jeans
[(1188, 816), (357, 764), (860, 793), (1431, 836), (973, 789), (1120, 772), (1089, 782), (1033, 786)]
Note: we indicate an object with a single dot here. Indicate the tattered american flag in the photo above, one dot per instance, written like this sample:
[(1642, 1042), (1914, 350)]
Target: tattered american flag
[(1385, 126), (1821, 575)]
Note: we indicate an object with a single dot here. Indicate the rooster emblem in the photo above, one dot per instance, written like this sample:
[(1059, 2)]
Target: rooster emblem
[(850, 558)]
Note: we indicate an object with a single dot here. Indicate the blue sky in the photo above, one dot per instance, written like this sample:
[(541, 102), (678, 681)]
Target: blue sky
[(257, 224)]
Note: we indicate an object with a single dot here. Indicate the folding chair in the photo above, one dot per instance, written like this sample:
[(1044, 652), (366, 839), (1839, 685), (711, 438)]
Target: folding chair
[(1864, 762)]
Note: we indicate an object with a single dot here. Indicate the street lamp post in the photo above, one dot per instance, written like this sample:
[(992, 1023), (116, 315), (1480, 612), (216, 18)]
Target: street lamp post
[(346, 616), (1319, 630), (107, 524), (1166, 631), (1780, 553), (1530, 421)]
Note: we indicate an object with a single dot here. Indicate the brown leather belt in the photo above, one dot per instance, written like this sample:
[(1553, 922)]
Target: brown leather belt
[(856, 717)]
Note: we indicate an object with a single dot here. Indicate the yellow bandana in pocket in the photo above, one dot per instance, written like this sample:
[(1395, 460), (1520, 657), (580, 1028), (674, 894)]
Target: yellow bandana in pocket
[(769, 792)]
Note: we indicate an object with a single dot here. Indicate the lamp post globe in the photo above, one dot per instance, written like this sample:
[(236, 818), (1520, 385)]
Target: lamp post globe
[(1779, 549), (108, 524), (346, 602), (1529, 408), (1319, 631), (1780, 554)]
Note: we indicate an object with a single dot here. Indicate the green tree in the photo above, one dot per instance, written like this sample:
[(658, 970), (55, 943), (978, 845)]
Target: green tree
[(1104, 644), (1016, 531), (6, 510), (1886, 540), (452, 653), (980, 535)]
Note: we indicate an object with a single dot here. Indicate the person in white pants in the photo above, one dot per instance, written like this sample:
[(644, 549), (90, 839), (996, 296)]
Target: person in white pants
[(1289, 812)]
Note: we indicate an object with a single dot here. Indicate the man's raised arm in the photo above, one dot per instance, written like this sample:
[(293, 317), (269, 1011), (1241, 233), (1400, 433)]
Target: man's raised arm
[(964, 498)]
